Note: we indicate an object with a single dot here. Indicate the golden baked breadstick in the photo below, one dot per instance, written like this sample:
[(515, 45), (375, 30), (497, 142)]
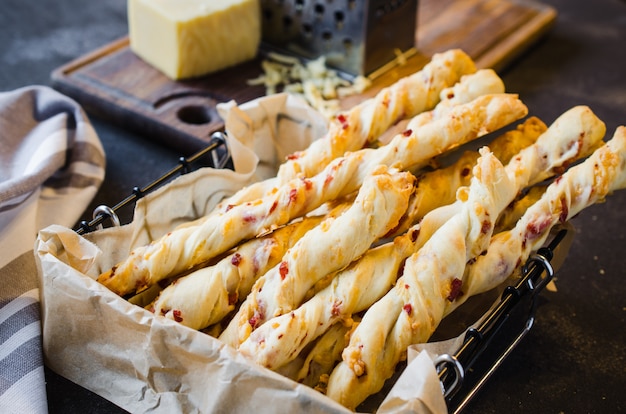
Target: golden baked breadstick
[(381, 201), (414, 148), (411, 310), (191, 245), (318, 155), (580, 187), (572, 136), (470, 87), (365, 122), (352, 290), (205, 296), (488, 113), (559, 154), (509, 144)]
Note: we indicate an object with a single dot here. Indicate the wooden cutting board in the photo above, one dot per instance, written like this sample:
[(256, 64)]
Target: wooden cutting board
[(115, 84)]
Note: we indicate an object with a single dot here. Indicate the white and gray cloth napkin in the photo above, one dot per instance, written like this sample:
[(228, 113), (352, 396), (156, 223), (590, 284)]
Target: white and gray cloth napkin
[(51, 166)]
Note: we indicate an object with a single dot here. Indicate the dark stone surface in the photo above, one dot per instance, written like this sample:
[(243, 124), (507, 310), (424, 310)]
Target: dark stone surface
[(573, 359)]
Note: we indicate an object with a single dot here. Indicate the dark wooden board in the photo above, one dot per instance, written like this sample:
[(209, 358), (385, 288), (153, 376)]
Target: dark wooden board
[(113, 83)]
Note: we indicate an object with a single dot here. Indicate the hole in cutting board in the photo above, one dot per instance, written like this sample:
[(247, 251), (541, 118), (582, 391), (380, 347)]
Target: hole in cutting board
[(194, 114)]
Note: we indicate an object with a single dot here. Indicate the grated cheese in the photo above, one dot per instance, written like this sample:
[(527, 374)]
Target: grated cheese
[(313, 81)]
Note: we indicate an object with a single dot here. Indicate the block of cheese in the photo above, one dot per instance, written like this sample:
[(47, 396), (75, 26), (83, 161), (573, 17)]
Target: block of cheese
[(190, 38)]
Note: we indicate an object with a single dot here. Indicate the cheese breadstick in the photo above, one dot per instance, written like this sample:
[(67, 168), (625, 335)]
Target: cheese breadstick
[(352, 290), (470, 87), (518, 207), (581, 186), (573, 135), (323, 250), (191, 245), (488, 112), (414, 148), (410, 311), (370, 277), (205, 296), (365, 122), (322, 358)]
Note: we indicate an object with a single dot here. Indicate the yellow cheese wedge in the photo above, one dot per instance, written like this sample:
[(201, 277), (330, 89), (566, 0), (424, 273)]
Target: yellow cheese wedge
[(190, 38)]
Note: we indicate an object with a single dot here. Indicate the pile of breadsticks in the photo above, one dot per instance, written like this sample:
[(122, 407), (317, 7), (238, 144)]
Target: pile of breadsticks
[(359, 248)]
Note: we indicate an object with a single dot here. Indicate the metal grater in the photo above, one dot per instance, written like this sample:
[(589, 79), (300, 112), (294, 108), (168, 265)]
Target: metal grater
[(356, 36)]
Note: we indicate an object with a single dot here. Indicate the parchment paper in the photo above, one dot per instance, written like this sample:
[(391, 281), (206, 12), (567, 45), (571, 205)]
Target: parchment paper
[(146, 363)]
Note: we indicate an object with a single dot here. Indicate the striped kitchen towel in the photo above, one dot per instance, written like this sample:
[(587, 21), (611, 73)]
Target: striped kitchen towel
[(51, 165)]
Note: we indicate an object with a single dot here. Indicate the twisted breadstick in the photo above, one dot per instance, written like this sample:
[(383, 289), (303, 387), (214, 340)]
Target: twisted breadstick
[(572, 136), (411, 310), (488, 113), (191, 245), (414, 148), (580, 187), (204, 297), (325, 249), (354, 289), (470, 87), (365, 122), (518, 207)]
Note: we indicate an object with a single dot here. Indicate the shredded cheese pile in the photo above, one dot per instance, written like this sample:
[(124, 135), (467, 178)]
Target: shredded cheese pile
[(320, 86)]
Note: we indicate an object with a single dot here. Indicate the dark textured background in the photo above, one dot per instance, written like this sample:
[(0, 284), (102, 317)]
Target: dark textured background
[(573, 359)]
